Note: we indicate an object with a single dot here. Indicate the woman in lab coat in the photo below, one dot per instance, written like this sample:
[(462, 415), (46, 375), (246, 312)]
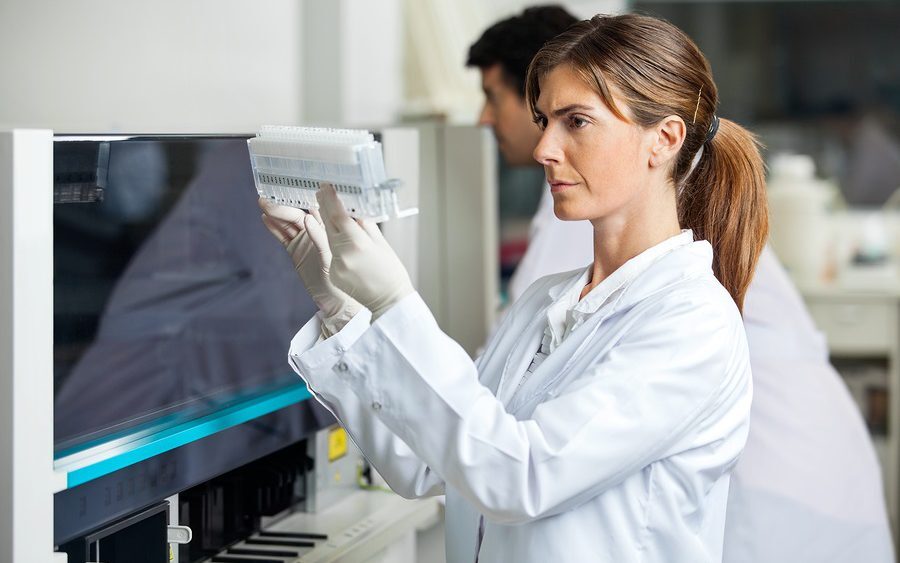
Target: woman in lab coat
[(604, 417)]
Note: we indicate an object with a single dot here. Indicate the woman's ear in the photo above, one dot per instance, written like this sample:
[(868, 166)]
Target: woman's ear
[(667, 138)]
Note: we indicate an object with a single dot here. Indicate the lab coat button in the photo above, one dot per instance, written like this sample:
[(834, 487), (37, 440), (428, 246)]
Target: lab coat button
[(342, 366), (376, 406)]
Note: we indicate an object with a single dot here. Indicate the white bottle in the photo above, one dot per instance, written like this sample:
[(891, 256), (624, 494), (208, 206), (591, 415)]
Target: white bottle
[(798, 216)]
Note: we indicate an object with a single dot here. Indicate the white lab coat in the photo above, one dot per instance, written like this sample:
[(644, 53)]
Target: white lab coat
[(618, 448), (808, 487)]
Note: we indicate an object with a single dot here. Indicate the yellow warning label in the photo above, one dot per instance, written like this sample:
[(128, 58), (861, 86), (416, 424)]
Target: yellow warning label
[(337, 444)]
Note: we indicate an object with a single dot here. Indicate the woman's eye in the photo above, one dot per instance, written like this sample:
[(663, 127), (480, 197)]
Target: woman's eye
[(576, 122), (541, 121)]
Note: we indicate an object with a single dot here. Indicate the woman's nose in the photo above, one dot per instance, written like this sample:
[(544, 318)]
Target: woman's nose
[(547, 150)]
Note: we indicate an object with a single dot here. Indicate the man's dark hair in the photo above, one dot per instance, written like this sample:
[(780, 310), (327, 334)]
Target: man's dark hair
[(513, 42)]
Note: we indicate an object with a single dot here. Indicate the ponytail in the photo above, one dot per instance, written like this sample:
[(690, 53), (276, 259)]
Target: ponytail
[(723, 200)]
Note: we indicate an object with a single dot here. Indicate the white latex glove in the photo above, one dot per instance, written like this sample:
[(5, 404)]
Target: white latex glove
[(304, 237), (363, 265)]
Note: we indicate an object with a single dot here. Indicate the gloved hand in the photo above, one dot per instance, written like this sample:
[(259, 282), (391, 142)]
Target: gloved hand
[(363, 265), (304, 237)]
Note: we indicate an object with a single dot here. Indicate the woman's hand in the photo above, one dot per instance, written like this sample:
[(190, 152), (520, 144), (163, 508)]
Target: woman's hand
[(304, 237), (364, 265)]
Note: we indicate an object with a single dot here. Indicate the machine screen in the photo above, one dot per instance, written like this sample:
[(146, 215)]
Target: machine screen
[(171, 300)]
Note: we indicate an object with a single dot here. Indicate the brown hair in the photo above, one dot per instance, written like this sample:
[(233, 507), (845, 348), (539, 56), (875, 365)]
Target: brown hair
[(658, 72)]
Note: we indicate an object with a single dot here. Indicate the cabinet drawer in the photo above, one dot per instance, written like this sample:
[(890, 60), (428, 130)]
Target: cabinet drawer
[(853, 327)]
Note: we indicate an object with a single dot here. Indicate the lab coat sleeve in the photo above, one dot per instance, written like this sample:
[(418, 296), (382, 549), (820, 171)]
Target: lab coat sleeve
[(668, 377), (313, 358)]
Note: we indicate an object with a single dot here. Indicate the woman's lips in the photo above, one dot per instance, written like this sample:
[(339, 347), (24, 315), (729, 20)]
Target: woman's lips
[(560, 186)]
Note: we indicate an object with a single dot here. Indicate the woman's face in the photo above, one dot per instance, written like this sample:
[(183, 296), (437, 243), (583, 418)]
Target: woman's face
[(597, 164)]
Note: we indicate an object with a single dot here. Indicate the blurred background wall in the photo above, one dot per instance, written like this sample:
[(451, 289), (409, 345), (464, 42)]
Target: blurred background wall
[(131, 66)]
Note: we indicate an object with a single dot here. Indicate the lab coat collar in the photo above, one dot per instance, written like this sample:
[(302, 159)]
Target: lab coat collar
[(627, 273)]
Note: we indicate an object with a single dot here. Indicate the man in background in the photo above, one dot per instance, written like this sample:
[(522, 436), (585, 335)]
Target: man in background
[(502, 54), (808, 487)]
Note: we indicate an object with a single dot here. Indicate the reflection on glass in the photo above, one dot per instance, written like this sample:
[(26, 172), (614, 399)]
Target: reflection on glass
[(170, 298)]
